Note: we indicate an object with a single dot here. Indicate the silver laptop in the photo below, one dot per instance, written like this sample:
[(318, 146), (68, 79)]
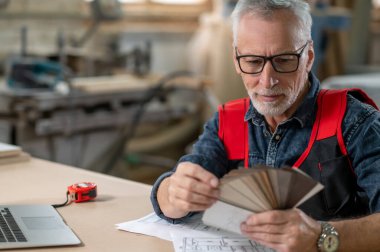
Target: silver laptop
[(23, 226)]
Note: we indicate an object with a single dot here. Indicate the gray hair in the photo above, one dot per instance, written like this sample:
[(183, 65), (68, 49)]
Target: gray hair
[(265, 9)]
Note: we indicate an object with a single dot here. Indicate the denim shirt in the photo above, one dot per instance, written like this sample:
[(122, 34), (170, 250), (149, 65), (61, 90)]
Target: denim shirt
[(361, 133)]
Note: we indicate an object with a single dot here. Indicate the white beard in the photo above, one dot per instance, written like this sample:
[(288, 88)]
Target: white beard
[(275, 108)]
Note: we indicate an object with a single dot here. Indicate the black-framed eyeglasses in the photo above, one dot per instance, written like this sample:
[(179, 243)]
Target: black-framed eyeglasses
[(282, 63)]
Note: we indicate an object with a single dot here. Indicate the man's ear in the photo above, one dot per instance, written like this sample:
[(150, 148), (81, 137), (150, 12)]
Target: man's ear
[(311, 55), (237, 68)]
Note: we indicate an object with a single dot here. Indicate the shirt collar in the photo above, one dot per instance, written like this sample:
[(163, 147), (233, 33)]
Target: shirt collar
[(305, 112)]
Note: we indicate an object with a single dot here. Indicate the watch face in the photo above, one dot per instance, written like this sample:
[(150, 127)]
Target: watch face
[(331, 243)]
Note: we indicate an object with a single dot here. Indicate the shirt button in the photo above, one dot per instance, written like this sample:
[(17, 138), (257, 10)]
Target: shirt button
[(277, 137)]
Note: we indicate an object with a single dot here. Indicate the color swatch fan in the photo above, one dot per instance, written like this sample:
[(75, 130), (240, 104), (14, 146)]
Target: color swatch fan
[(262, 188)]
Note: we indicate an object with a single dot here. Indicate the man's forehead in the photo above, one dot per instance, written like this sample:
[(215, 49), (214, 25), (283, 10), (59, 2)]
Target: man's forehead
[(254, 31)]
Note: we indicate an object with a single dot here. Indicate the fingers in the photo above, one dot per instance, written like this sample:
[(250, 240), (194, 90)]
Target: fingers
[(288, 230), (197, 172), (191, 197), (269, 217), (267, 228), (192, 188), (185, 187), (194, 191), (268, 239), (194, 179), (191, 206)]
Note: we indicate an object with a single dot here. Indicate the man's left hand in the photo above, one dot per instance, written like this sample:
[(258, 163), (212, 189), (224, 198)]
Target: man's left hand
[(283, 230)]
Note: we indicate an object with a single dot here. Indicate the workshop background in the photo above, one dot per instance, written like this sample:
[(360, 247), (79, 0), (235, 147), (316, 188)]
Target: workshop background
[(124, 87)]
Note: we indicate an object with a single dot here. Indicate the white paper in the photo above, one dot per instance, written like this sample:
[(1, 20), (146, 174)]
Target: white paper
[(155, 226), (225, 216), (216, 243), (192, 235)]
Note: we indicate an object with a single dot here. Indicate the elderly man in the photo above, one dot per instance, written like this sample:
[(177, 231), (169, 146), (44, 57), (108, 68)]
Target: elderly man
[(290, 121)]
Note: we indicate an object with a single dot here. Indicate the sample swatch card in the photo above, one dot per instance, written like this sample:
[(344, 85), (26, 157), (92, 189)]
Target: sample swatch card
[(7, 150), (261, 188), (12, 154)]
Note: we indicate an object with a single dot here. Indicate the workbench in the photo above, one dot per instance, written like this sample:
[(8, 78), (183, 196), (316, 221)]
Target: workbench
[(77, 128)]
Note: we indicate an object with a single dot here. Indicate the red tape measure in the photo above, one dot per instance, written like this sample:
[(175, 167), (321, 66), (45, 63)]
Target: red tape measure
[(81, 192)]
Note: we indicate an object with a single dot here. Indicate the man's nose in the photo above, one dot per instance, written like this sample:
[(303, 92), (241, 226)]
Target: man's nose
[(268, 76)]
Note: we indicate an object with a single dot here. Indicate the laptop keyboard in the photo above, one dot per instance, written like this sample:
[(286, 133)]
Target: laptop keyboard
[(9, 230)]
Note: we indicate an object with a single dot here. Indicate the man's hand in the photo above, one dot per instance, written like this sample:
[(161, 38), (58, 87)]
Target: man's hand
[(289, 230), (190, 188)]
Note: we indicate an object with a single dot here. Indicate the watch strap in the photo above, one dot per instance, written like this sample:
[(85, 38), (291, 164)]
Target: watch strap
[(328, 231)]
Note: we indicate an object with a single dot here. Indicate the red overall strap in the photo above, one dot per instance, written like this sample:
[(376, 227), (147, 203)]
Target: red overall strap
[(233, 130), (314, 131), (331, 109)]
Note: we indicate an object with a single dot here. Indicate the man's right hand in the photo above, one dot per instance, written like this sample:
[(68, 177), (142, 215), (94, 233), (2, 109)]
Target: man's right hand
[(190, 188)]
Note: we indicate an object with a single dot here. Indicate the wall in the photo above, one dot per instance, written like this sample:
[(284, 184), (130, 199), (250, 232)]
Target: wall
[(45, 19)]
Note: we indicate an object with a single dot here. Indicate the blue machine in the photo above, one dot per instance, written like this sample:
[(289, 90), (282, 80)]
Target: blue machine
[(33, 73)]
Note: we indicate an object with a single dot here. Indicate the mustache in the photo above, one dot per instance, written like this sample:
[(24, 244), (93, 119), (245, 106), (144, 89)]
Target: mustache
[(272, 91)]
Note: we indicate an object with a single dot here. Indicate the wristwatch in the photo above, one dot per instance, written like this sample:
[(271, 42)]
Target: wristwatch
[(329, 238)]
